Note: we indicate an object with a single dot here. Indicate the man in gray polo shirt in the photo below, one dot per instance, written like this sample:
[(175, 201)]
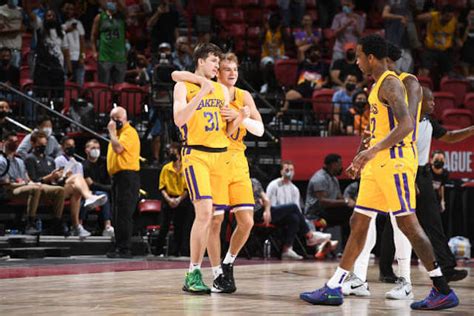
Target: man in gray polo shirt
[(324, 198)]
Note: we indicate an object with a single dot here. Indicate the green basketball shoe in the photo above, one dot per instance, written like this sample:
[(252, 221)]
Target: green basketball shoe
[(193, 283)]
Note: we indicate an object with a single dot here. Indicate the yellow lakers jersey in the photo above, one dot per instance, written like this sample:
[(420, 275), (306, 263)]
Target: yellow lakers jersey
[(237, 138), (414, 138), (382, 120), (206, 127)]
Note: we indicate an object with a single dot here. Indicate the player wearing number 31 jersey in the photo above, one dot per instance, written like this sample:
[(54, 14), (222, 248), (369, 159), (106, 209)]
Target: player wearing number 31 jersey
[(199, 112)]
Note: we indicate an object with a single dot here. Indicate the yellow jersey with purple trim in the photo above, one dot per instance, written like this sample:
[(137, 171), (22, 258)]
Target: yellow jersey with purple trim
[(382, 120), (414, 138), (206, 127), (237, 138)]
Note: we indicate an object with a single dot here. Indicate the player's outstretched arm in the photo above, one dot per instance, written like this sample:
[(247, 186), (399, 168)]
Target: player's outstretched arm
[(182, 110), (458, 135)]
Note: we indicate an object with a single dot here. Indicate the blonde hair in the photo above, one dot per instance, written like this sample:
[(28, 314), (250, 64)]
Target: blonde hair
[(231, 57)]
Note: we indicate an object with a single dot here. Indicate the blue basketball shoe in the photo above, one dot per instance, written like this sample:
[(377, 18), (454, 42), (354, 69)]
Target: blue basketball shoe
[(436, 300), (323, 296)]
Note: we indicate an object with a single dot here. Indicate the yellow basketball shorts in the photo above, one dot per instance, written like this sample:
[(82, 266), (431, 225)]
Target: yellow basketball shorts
[(205, 180), (388, 183), (239, 186)]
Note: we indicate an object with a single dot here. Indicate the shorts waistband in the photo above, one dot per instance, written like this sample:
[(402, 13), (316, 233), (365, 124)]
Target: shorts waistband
[(206, 149)]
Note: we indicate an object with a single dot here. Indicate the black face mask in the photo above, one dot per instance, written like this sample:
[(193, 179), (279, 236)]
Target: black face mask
[(438, 164), (338, 172), (4, 114), (173, 157), (118, 124), (48, 24), (70, 151), (40, 149), (359, 106), (350, 55), (5, 62), (350, 87)]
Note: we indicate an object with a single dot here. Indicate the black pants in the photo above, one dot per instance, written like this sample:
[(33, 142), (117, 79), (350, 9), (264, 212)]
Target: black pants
[(125, 190), (289, 216), (429, 216), (182, 217), (387, 249), (338, 217)]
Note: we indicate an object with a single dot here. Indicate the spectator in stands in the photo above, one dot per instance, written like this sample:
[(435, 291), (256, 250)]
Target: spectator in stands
[(343, 120), (313, 75), (273, 39), (467, 52), (137, 72), (182, 54), (307, 36), (137, 15), (176, 206), (4, 112), (75, 38), (45, 125), (440, 176), (52, 58), (348, 27), (98, 180), (360, 111), (9, 74), (41, 168), (324, 199), (291, 11), (345, 66), (66, 160), (17, 185), (123, 166), (163, 26), (11, 29), (441, 38), (108, 31), (282, 207), (400, 29)]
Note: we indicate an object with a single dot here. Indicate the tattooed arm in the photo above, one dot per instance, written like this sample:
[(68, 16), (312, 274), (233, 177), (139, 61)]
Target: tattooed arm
[(414, 94), (392, 93)]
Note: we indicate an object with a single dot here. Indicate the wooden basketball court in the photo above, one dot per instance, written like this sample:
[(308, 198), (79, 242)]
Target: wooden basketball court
[(263, 288)]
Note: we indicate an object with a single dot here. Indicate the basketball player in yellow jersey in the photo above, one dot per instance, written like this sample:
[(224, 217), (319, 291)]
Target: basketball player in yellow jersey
[(241, 201), (356, 284), (387, 180), (199, 112)]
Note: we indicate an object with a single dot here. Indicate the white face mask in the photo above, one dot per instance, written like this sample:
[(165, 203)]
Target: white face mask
[(48, 131), (94, 153)]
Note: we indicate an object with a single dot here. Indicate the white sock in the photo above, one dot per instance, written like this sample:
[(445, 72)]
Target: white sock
[(362, 263), (402, 250), (338, 278), (216, 271), (435, 273), (194, 266), (229, 258)]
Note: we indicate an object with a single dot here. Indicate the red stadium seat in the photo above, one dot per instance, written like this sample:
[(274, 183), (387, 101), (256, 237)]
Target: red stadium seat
[(469, 102), (270, 4), (100, 94), (24, 72), (238, 30), (458, 87), (254, 16), (380, 32), (131, 97), (220, 3), (149, 206), (286, 72), (459, 117), (443, 101), (253, 34), (426, 81), (229, 15), (322, 103), (247, 3), (72, 91)]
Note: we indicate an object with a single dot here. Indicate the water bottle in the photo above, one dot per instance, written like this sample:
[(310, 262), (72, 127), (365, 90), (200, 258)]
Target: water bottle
[(39, 225), (267, 249)]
